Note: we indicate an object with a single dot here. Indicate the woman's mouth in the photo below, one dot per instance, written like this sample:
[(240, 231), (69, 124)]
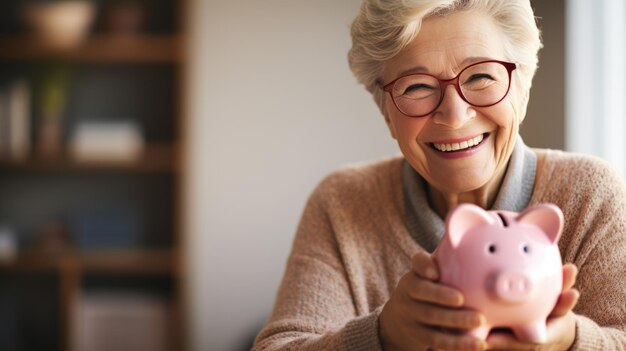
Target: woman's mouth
[(460, 146)]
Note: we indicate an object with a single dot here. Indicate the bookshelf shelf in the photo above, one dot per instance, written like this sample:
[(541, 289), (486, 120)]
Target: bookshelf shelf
[(31, 262), (102, 48), (127, 262), (155, 158)]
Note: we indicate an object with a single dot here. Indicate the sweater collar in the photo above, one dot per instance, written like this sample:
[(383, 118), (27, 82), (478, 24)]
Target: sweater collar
[(425, 225)]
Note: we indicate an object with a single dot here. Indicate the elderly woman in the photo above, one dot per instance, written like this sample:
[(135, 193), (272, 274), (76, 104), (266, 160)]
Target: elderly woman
[(452, 79)]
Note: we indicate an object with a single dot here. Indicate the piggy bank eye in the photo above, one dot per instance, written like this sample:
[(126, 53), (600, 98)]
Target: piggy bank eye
[(492, 248), (526, 248)]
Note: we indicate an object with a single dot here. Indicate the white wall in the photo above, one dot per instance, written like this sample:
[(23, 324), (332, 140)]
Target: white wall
[(273, 107), (596, 80)]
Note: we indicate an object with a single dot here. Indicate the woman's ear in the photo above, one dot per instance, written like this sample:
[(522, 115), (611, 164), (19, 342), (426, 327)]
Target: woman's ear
[(386, 110), (523, 102)]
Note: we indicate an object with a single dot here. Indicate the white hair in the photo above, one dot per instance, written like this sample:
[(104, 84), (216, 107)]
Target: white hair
[(384, 27)]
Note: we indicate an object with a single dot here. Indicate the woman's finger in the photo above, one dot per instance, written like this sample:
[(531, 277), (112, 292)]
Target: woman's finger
[(424, 265), (436, 340), (508, 342), (566, 302), (570, 272), (422, 290), (436, 316)]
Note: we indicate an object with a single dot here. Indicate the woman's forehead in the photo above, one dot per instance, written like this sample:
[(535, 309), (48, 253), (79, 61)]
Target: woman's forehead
[(445, 45)]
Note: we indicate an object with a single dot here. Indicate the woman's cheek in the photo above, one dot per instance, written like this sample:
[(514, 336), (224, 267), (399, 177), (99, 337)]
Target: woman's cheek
[(409, 128), (508, 128)]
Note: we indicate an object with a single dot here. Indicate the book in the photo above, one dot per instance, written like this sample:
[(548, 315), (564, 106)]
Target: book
[(15, 124), (19, 120), (105, 229), (107, 141), (122, 321), (5, 127)]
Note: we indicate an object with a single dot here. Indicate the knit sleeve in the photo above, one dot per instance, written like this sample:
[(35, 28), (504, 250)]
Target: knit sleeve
[(314, 309), (601, 312), (601, 258)]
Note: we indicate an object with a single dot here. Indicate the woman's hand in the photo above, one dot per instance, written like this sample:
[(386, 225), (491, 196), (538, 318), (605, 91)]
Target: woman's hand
[(421, 313), (561, 322)]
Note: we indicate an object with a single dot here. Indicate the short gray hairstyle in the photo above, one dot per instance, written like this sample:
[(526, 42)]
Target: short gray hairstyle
[(384, 27)]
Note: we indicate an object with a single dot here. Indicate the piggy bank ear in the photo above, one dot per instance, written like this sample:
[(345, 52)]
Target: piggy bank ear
[(463, 218), (548, 217)]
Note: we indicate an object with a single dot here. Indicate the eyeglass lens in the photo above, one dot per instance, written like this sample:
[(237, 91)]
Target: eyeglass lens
[(482, 84)]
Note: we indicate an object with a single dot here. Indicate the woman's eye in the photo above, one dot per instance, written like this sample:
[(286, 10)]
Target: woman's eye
[(478, 76), (479, 81), (417, 88)]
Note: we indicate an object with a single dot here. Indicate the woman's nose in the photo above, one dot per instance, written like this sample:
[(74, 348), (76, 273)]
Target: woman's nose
[(453, 111)]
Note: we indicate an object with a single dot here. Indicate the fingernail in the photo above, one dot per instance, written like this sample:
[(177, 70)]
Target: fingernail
[(455, 299), (431, 273), (477, 321), (480, 319)]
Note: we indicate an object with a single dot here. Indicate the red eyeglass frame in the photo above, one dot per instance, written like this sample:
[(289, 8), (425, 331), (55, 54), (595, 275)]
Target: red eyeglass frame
[(443, 83)]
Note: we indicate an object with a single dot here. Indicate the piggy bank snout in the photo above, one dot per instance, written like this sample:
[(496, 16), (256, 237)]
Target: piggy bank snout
[(510, 287)]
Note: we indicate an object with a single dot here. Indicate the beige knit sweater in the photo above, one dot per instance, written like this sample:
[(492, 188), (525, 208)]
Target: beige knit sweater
[(352, 246)]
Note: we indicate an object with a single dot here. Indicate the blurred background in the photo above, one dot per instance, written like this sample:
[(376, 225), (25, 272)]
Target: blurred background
[(155, 155)]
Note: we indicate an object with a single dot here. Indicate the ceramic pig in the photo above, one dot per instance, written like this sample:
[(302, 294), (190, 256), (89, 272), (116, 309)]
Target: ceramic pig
[(507, 265)]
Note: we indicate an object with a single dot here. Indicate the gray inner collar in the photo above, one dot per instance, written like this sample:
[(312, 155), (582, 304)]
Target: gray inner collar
[(425, 225)]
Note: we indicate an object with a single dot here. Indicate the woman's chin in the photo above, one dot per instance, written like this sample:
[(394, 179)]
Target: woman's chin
[(462, 182)]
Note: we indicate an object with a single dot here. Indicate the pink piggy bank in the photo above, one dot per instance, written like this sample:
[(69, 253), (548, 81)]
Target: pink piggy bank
[(507, 265)]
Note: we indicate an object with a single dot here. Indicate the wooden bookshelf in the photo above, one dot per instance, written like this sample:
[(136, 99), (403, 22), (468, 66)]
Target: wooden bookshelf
[(136, 77), (102, 48)]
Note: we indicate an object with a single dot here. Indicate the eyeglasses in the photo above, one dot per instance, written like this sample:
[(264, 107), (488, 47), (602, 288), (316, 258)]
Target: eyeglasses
[(480, 84)]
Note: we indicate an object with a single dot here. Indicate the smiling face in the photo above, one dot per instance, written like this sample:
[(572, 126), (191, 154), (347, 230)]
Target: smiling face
[(483, 137)]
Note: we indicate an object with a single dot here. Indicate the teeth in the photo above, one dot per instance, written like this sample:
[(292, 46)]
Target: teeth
[(459, 146)]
